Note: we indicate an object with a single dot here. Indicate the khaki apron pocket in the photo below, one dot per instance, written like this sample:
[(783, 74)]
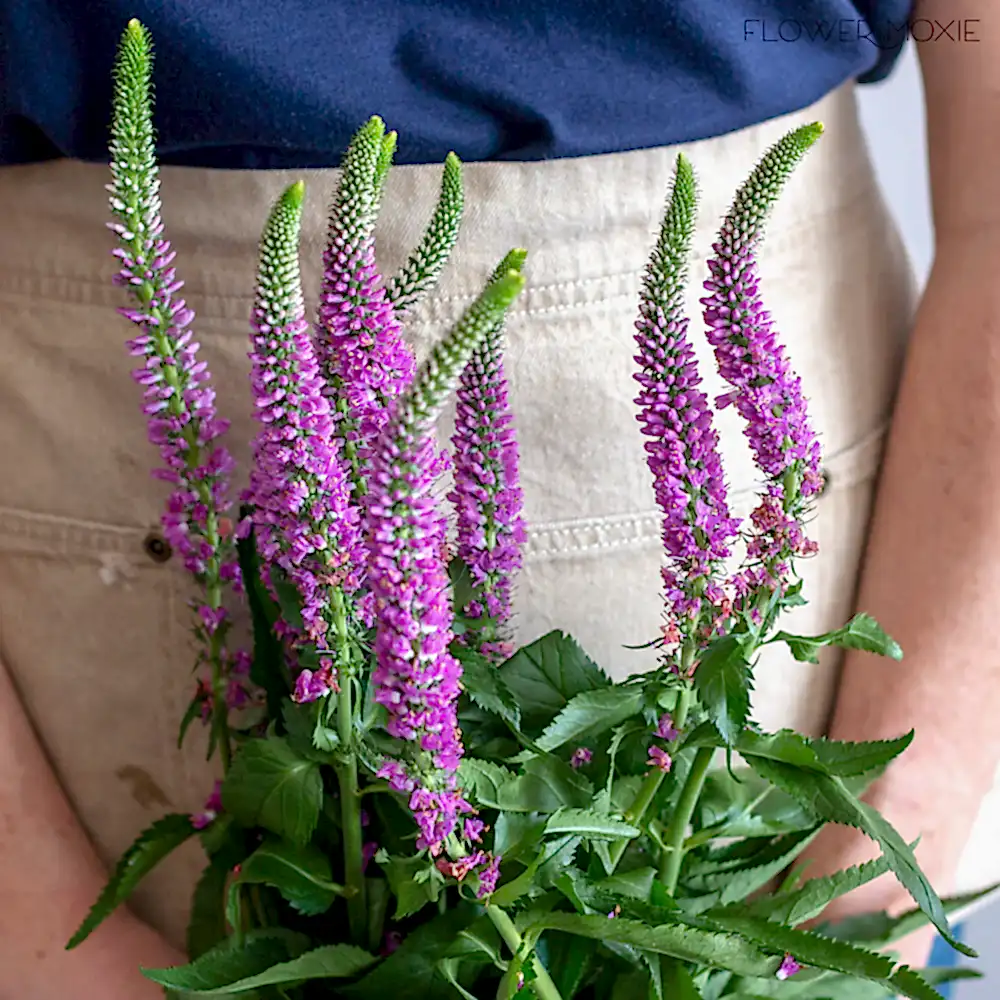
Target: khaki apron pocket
[(93, 632)]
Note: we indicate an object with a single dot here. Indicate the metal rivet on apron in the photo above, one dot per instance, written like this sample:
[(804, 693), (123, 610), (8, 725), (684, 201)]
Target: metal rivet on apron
[(825, 475), (157, 547)]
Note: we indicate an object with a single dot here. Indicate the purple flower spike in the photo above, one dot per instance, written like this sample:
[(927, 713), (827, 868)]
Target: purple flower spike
[(416, 677), (365, 361), (303, 519), (766, 392), (682, 450), (179, 399), (487, 494)]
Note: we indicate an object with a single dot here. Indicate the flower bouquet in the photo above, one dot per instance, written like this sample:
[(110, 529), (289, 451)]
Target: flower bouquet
[(410, 807)]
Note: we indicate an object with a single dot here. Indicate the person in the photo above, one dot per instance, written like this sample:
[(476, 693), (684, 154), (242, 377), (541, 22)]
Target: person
[(569, 115)]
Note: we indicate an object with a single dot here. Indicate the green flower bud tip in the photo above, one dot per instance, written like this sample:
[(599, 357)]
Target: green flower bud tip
[(295, 195), (512, 263)]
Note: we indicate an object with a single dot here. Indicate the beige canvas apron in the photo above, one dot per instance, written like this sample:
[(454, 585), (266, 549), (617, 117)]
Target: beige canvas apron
[(92, 617)]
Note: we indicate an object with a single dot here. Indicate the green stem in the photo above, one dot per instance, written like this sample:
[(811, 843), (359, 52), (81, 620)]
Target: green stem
[(650, 786), (679, 822), (350, 797), (543, 985)]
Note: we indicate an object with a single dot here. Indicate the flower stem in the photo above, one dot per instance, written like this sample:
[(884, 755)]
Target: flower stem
[(350, 796), (651, 785), (543, 985), (671, 867)]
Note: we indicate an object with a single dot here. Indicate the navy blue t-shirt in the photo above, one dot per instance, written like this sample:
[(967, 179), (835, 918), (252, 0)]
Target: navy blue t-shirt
[(284, 83)]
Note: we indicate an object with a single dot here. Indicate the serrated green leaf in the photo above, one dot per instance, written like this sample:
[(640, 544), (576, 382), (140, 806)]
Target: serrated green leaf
[(733, 885), (809, 948), (590, 825), (829, 756), (483, 779), (590, 713), (332, 961), (301, 873), (192, 712), (410, 972), (485, 686), (723, 682), (411, 894), (269, 785), (207, 923), (813, 896), (569, 960), (546, 785), (911, 984), (147, 851), (861, 632), (229, 963), (545, 675), (690, 944), (881, 929), (829, 799), (677, 981)]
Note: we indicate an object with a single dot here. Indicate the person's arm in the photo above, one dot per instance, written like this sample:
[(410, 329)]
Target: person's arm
[(49, 876), (932, 567)]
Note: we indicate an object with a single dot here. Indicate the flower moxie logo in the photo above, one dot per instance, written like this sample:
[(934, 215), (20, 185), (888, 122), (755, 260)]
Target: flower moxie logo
[(887, 35)]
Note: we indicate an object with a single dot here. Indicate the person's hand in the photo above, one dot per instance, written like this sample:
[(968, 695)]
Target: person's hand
[(106, 965)]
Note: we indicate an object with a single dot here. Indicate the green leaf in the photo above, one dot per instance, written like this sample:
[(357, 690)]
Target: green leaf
[(332, 961), (207, 923), (861, 632), (723, 681), (829, 756), (813, 896), (485, 686), (808, 948), (301, 873), (149, 849), (269, 785), (590, 713), (412, 893), (747, 806), (545, 675), (289, 598), (690, 944), (677, 981), (828, 798), (881, 929), (589, 824), (733, 885), (228, 963), (267, 666), (451, 968), (910, 983), (546, 785), (192, 712), (483, 779), (411, 972)]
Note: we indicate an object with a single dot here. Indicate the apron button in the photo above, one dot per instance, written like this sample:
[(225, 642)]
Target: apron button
[(157, 547)]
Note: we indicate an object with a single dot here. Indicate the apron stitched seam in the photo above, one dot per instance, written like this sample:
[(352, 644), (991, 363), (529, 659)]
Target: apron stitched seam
[(96, 291)]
